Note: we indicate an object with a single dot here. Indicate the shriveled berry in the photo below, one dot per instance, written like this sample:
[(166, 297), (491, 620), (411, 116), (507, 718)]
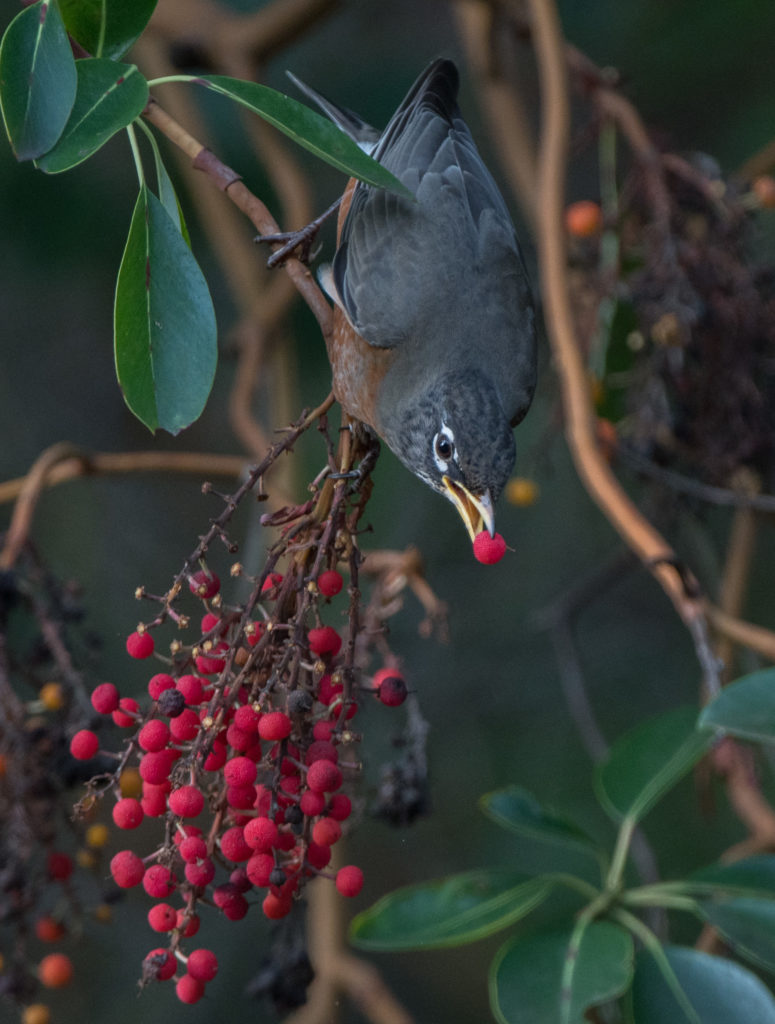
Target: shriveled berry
[(330, 583), (324, 640), (104, 698), (159, 965), (84, 745), (489, 550), (349, 880), (140, 645), (127, 869), (299, 702)]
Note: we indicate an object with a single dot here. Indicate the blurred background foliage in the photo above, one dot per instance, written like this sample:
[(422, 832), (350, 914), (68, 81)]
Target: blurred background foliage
[(697, 71)]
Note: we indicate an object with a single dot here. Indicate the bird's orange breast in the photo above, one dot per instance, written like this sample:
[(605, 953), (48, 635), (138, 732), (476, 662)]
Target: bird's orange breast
[(358, 368)]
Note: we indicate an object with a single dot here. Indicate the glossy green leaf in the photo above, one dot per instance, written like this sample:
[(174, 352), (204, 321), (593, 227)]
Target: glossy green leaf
[(37, 79), (109, 97), (648, 760), (448, 912), (747, 924), (745, 708), (721, 992), (307, 128), (124, 21), (519, 811), (165, 333), (752, 876), (541, 978), (168, 196)]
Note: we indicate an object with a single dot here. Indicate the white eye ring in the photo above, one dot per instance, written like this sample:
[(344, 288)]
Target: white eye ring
[(443, 448)]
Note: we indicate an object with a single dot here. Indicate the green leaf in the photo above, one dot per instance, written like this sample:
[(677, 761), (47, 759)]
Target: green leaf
[(109, 97), (168, 196), (124, 21), (647, 761), (449, 911), (747, 924), (540, 978), (307, 128), (721, 992), (745, 708), (37, 79), (519, 811), (165, 333), (754, 875)]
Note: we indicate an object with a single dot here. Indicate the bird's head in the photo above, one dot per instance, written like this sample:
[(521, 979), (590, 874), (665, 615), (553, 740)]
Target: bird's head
[(456, 437)]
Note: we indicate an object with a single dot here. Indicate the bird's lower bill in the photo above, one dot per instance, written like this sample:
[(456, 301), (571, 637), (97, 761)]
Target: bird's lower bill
[(476, 511)]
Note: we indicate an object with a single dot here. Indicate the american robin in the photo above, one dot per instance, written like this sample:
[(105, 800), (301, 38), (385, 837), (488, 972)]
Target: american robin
[(434, 344)]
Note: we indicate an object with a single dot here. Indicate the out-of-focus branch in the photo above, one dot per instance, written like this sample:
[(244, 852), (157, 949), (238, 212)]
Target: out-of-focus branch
[(647, 543)]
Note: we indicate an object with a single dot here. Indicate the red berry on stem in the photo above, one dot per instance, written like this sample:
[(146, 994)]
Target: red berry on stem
[(349, 880), (202, 964), (489, 550), (128, 813), (204, 584), (330, 583), (104, 698), (160, 965), (140, 645), (326, 832), (158, 881), (162, 917), (127, 869), (84, 745), (125, 716), (189, 990), (324, 777), (324, 640), (186, 802), (275, 725), (60, 865), (154, 735), (159, 683)]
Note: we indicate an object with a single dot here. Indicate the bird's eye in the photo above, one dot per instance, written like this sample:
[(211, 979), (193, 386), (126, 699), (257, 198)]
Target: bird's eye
[(443, 448)]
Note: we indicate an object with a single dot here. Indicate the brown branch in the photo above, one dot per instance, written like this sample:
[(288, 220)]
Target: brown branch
[(647, 543)]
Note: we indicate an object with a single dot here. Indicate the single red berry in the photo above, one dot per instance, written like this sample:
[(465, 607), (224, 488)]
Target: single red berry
[(140, 645), (156, 765), (216, 759), (255, 634), (324, 777), (275, 725), (583, 219), (247, 718), (189, 990), (275, 907), (127, 869), (186, 802), (159, 683), (233, 845), (349, 880), (84, 745), (55, 970), (318, 856), (128, 813), (323, 730), (191, 687), (208, 665), (231, 901), (202, 964), (270, 584), (489, 550), (261, 834), (259, 868), (330, 583), (312, 804), (60, 865), (324, 640), (204, 584), (321, 750), (340, 807), (191, 928), (48, 929), (154, 800), (200, 872), (328, 690), (326, 832), (158, 881), (240, 797), (239, 771), (392, 691), (104, 698), (160, 965), (162, 917), (193, 848), (184, 726), (125, 716), (154, 735)]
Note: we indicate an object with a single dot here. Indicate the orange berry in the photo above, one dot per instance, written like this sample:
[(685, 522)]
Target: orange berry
[(583, 219), (763, 188), (55, 970), (52, 696), (36, 1013), (522, 492)]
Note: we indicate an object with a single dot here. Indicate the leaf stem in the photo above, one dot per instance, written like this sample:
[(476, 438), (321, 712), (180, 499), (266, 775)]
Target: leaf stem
[(130, 130), (619, 859)]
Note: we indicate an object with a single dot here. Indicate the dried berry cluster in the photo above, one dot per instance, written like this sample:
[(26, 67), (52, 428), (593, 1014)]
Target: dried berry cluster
[(247, 739)]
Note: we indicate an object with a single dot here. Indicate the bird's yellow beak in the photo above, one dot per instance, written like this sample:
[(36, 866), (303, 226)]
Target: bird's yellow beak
[(476, 511)]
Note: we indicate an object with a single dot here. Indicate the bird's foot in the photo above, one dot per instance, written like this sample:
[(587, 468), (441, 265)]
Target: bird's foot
[(296, 243)]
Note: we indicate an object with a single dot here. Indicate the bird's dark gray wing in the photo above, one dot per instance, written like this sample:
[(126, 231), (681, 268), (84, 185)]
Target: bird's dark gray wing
[(445, 270)]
